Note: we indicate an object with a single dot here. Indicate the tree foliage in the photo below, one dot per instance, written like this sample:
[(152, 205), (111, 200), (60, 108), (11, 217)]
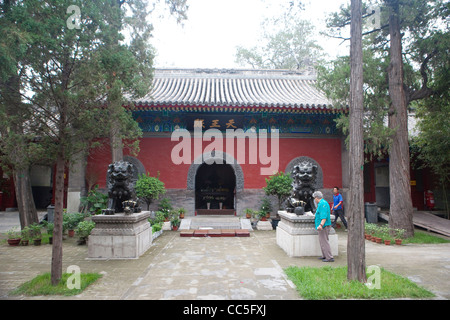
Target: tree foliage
[(412, 42), (149, 188), (279, 185), (432, 144), (287, 42), (67, 80), (425, 58)]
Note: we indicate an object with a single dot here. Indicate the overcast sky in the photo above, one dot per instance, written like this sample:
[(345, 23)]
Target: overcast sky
[(214, 28)]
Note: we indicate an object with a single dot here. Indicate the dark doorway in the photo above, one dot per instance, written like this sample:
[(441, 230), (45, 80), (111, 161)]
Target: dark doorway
[(215, 186)]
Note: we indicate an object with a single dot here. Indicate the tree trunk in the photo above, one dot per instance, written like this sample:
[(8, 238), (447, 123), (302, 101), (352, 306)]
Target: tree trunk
[(400, 212), (356, 260), (57, 252), (25, 202), (17, 157), (116, 144)]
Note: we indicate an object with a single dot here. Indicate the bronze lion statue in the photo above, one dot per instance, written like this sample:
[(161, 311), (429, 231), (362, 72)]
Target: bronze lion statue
[(304, 177), (121, 188)]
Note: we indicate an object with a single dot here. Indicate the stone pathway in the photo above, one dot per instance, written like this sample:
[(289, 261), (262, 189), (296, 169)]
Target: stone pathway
[(214, 268)]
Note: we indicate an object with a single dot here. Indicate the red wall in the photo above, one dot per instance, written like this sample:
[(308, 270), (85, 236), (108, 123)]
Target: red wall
[(155, 154)]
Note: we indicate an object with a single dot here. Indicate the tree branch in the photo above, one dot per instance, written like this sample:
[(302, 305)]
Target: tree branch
[(364, 34), (424, 91)]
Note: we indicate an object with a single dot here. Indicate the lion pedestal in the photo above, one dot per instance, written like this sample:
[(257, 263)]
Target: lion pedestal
[(297, 236), (120, 236)]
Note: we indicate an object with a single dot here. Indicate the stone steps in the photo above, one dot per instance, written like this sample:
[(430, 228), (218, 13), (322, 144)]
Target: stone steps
[(215, 222), (215, 233)]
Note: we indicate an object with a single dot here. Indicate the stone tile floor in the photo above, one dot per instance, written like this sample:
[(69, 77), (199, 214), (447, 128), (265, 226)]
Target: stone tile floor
[(213, 268)]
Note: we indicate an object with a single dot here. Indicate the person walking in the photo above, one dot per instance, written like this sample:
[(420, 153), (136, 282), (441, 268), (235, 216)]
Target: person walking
[(338, 208), (323, 225)]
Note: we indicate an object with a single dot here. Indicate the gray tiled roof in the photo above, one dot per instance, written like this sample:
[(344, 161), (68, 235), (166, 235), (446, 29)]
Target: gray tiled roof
[(234, 88)]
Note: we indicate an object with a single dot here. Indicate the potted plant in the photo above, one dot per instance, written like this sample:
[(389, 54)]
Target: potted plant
[(249, 213), (165, 207), (72, 220), (13, 236), (83, 231), (175, 223), (181, 212), (161, 216), (50, 226), (266, 207), (385, 231), (26, 233), (399, 233), (261, 215), (35, 233), (371, 229)]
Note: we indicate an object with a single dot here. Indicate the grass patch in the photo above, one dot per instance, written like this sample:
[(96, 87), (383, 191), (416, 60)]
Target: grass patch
[(331, 283), (41, 285), (423, 237)]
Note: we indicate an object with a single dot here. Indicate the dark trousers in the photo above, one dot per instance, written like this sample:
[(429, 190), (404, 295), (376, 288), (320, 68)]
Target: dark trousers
[(339, 213)]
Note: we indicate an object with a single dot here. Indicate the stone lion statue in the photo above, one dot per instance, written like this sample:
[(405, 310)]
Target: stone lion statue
[(121, 191), (304, 177)]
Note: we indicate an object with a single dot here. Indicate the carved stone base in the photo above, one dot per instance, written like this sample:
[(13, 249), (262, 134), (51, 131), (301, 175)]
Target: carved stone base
[(120, 236), (167, 226), (264, 225), (297, 236)]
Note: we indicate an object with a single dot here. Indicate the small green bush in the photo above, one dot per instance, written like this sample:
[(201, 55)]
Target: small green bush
[(71, 220), (84, 229), (149, 188), (94, 202)]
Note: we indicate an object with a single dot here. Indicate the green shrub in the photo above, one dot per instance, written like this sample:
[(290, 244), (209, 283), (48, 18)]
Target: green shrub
[(156, 227), (35, 231), (84, 228), (13, 233), (71, 220), (149, 188), (279, 185), (94, 202)]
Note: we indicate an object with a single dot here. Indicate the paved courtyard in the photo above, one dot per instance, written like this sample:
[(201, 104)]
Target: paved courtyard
[(214, 268)]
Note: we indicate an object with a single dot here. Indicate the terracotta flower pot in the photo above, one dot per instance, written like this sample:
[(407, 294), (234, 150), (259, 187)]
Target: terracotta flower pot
[(14, 242), (378, 240), (71, 233), (387, 242), (174, 228), (398, 241), (24, 242)]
